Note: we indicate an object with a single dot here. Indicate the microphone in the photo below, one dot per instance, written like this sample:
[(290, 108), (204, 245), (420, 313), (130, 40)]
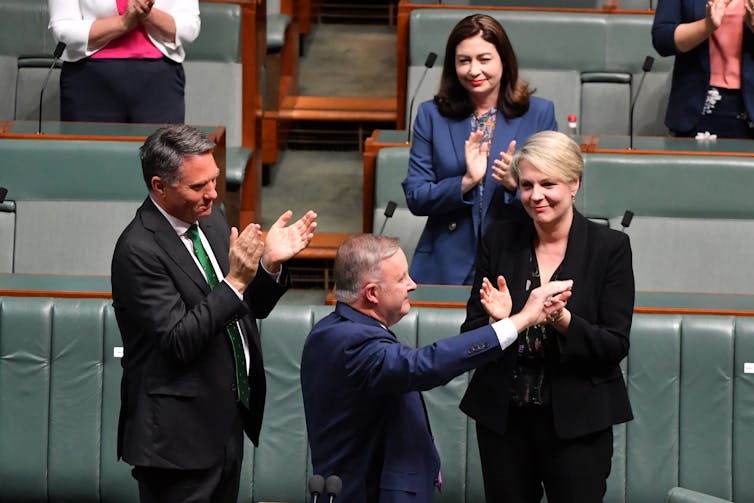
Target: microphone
[(55, 55), (389, 210), (646, 68), (316, 486), (627, 217), (333, 485), (428, 63)]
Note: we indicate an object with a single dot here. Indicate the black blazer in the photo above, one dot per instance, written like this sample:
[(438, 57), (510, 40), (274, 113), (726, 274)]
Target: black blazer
[(178, 400), (588, 390)]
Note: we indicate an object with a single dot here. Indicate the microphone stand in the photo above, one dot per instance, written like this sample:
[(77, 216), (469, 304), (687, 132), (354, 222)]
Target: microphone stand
[(55, 56)]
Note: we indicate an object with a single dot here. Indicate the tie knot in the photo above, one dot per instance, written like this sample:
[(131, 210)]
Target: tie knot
[(193, 232)]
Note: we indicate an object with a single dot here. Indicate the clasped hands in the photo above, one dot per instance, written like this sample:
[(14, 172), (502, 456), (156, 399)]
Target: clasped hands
[(477, 154), (546, 304), (282, 242)]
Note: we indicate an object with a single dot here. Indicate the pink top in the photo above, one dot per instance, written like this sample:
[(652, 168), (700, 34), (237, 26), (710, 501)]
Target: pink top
[(725, 48), (133, 45)]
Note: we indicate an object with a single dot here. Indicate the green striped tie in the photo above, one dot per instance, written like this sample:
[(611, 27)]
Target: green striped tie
[(242, 380)]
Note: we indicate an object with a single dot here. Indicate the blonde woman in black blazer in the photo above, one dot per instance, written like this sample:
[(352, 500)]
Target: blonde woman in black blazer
[(544, 410)]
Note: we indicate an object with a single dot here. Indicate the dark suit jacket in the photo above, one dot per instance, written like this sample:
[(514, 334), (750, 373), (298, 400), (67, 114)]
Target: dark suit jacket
[(447, 247), (588, 391), (364, 414), (691, 71), (178, 400)]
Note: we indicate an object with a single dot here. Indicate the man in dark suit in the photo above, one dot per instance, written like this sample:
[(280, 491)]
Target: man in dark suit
[(186, 298), (365, 417)]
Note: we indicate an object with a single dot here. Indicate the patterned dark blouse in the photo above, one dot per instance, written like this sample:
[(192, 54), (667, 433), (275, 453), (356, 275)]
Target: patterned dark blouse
[(536, 352)]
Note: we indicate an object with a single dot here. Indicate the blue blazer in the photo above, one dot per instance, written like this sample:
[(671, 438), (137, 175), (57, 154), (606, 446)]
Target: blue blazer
[(365, 417), (447, 247), (691, 71)]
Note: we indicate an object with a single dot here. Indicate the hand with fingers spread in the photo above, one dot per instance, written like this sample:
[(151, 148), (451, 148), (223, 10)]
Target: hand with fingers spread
[(501, 168), (496, 301), (285, 241), (715, 11), (246, 250), (477, 154)]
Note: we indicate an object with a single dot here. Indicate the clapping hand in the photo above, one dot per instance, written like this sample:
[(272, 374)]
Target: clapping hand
[(496, 301), (477, 153), (501, 168), (285, 241)]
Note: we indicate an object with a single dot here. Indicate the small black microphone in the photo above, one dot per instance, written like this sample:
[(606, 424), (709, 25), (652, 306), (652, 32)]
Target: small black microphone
[(646, 68), (389, 210), (3, 193), (55, 56), (627, 217), (428, 63), (316, 486), (333, 485)]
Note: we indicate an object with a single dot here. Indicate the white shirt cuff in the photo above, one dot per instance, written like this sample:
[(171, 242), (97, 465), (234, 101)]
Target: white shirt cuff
[(240, 296), (505, 331)]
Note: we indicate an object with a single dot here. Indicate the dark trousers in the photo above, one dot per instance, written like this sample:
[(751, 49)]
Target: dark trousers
[(218, 484), (516, 465), (123, 90)]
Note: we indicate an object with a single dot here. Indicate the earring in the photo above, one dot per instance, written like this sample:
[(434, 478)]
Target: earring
[(573, 197)]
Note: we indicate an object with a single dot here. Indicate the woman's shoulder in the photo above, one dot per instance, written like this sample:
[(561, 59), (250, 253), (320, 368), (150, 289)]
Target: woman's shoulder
[(539, 105), (603, 235)]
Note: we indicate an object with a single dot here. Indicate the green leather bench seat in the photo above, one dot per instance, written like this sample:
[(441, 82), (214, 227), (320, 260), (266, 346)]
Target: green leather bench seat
[(689, 379), (587, 63), (692, 214)]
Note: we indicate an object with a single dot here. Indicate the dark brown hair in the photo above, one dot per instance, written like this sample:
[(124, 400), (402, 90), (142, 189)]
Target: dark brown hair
[(453, 100)]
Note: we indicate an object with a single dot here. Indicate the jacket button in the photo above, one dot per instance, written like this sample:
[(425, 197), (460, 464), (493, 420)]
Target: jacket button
[(452, 226), (233, 388)]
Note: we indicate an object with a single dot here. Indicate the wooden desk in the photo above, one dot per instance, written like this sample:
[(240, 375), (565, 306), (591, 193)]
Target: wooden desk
[(666, 145), (90, 131), (36, 285)]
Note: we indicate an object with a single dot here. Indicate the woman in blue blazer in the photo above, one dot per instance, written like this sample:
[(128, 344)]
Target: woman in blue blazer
[(713, 75), (463, 140)]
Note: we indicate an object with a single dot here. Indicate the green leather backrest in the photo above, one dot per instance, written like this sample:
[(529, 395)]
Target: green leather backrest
[(59, 390), (392, 165), (688, 377), (90, 190), (72, 170), (667, 185)]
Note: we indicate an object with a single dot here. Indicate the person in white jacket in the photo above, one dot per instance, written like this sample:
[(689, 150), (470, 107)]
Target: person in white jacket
[(123, 58)]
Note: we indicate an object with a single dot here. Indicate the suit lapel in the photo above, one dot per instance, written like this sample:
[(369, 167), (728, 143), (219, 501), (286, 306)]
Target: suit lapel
[(168, 240), (459, 133), (577, 248)]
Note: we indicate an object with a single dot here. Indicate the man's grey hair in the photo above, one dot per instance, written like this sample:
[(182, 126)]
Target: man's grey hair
[(358, 262), (163, 152)]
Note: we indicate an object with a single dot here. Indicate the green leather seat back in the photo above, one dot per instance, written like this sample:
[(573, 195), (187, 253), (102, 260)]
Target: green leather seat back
[(686, 208), (392, 166), (59, 389), (72, 200), (689, 391)]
